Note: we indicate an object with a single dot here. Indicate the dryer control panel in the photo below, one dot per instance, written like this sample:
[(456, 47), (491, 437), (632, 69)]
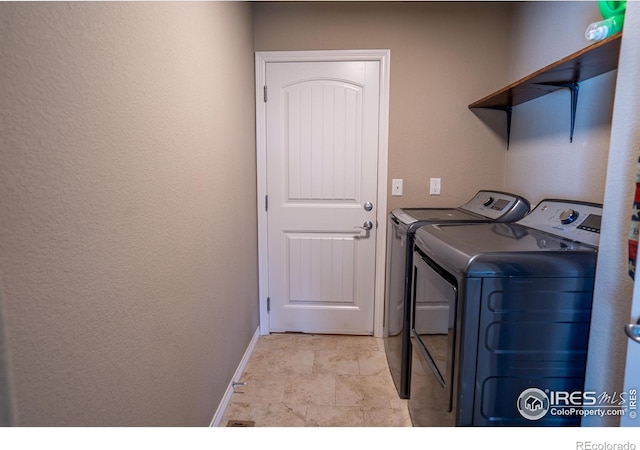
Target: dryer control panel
[(576, 221), (498, 206)]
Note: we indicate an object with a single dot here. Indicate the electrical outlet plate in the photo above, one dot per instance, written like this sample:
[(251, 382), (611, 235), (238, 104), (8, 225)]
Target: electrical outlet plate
[(434, 186)]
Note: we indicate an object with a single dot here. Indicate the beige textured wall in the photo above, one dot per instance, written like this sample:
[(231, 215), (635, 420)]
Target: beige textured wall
[(128, 255), (541, 161), (443, 57)]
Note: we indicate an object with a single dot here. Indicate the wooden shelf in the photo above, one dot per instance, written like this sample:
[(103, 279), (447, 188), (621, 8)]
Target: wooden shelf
[(596, 59)]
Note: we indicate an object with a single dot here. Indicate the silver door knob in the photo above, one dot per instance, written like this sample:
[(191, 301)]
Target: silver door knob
[(368, 206), (633, 331), (367, 225)]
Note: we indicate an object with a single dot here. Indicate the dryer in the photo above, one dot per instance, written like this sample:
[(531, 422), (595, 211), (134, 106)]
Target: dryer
[(518, 296), (484, 206)]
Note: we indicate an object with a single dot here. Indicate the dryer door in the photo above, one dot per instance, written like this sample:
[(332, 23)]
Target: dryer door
[(433, 334)]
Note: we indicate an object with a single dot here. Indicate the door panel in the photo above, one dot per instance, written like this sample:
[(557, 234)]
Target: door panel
[(322, 153), (322, 140), (321, 268)]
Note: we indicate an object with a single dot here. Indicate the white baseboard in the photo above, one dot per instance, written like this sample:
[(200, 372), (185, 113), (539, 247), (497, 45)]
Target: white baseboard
[(217, 418)]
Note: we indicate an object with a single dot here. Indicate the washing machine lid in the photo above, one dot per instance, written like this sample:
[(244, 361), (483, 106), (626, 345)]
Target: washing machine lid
[(435, 215), (545, 243), (502, 249), (485, 206)]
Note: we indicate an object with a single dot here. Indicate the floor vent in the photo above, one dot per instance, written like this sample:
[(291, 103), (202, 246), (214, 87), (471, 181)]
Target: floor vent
[(241, 423)]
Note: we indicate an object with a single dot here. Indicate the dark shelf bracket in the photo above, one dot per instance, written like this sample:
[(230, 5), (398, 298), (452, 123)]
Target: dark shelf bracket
[(507, 110), (591, 61), (573, 87)]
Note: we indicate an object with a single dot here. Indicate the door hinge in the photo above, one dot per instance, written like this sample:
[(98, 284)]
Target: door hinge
[(265, 94), (266, 203), (268, 304)]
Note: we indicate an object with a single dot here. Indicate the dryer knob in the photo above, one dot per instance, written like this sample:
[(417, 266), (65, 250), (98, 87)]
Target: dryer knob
[(488, 201), (568, 215)]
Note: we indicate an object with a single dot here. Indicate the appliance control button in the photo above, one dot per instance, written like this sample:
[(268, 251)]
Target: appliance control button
[(568, 215), (488, 201)]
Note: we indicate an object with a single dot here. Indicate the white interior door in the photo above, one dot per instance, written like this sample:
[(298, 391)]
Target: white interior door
[(322, 139)]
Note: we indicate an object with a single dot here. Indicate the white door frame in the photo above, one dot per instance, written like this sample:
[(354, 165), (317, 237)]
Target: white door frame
[(261, 60)]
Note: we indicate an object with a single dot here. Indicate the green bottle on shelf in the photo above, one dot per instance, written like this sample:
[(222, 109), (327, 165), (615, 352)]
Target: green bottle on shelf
[(613, 19)]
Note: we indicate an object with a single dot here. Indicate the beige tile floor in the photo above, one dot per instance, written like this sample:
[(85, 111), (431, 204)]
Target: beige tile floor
[(301, 380)]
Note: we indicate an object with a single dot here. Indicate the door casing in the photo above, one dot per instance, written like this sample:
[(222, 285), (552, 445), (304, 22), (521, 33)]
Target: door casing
[(261, 61)]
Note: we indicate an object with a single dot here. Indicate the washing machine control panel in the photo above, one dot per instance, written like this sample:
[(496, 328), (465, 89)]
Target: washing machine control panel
[(577, 221), (498, 206)]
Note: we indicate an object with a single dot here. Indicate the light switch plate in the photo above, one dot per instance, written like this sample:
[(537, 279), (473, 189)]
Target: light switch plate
[(396, 187)]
